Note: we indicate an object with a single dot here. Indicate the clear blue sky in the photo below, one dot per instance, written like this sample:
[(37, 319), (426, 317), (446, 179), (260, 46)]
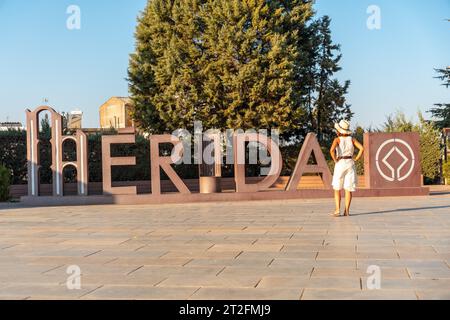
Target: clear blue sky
[(390, 69)]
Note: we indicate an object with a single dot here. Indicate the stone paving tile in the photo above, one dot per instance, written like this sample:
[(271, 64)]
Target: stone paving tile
[(25, 291), (377, 255), (98, 269), (143, 261), (299, 244), (386, 273), (338, 294), (140, 293), (246, 293), (221, 281), (202, 254), (429, 273), (332, 255), (67, 260), (445, 256), (267, 271), (338, 248), (433, 294), (256, 247), (366, 253), (33, 279), (416, 249), (335, 263), (9, 268), (114, 279), (306, 282), (364, 263), (176, 270), (115, 253), (82, 241), (422, 256), (415, 284), (261, 262), (309, 255), (166, 246), (442, 249), (283, 263)]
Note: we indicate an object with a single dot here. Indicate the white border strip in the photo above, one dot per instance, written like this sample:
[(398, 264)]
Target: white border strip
[(81, 174), (57, 156), (33, 187)]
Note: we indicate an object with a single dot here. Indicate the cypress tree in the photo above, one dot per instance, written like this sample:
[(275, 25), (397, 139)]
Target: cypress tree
[(250, 59), (164, 71), (227, 63), (235, 64), (327, 100), (441, 111)]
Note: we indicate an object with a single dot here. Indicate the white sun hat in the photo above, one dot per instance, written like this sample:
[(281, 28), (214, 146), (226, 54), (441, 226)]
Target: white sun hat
[(343, 127)]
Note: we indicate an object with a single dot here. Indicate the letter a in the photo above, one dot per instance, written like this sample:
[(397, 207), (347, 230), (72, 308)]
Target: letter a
[(74, 20), (310, 146), (374, 20)]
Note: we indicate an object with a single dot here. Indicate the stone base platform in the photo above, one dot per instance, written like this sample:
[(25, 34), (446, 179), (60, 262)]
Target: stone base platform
[(172, 198)]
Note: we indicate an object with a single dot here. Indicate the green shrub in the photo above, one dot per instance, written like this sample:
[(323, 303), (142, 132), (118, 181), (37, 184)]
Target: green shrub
[(5, 176), (446, 171), (13, 155)]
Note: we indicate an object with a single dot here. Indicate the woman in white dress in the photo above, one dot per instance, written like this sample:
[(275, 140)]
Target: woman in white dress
[(345, 176)]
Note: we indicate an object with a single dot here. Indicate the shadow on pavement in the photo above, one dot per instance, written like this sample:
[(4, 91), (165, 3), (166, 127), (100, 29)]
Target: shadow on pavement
[(400, 210)]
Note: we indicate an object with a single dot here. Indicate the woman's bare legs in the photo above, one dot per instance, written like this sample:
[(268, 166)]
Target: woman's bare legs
[(337, 200), (348, 202)]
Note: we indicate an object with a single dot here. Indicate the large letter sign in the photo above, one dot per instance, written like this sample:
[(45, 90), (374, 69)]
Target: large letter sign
[(392, 160), (58, 164), (165, 163), (311, 146), (392, 167), (109, 161), (239, 162)]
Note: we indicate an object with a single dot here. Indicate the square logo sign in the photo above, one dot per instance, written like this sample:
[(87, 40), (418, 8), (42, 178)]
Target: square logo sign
[(392, 160)]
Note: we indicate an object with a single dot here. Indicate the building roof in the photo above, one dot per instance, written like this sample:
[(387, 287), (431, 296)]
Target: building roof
[(10, 124), (76, 112), (124, 99), (5, 126)]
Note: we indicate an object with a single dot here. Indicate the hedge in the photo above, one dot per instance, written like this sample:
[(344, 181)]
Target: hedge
[(14, 157), (5, 176), (446, 171), (13, 154)]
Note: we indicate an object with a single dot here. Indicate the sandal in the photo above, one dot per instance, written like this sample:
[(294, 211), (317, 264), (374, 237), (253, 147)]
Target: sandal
[(336, 214), (347, 214)]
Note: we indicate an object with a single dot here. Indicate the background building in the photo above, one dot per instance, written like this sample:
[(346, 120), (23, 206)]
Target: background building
[(116, 113), (75, 120), (5, 126)]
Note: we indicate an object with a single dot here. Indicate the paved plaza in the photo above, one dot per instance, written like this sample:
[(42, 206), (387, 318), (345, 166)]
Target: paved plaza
[(247, 250)]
